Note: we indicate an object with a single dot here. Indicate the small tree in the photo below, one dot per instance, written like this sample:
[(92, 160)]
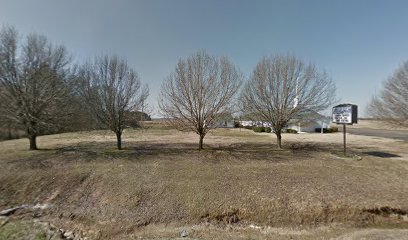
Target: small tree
[(392, 103), (111, 89), (35, 83), (282, 87), (200, 88)]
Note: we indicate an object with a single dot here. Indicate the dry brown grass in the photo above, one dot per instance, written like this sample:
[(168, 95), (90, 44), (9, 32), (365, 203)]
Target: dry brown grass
[(239, 179), (378, 124)]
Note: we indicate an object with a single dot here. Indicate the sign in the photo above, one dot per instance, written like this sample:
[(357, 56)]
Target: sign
[(345, 114)]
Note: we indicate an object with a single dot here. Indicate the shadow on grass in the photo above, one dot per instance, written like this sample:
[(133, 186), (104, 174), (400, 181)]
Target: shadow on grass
[(102, 151), (147, 150), (153, 148), (41, 150), (381, 154), (89, 151)]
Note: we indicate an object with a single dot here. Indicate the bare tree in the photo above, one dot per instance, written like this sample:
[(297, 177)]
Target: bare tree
[(200, 88), (112, 88), (282, 87), (35, 83), (392, 102)]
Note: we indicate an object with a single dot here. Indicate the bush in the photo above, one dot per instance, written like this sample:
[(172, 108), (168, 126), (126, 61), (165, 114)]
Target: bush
[(237, 125), (258, 129), (333, 129), (248, 127), (268, 129), (288, 130), (320, 130), (327, 130)]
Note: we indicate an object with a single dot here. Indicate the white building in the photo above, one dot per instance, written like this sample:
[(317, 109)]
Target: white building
[(309, 122), (250, 123), (304, 123)]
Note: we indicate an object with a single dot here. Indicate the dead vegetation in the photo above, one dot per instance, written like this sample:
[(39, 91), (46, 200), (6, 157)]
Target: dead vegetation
[(237, 180)]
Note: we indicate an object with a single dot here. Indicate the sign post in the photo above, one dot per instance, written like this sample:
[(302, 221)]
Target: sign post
[(344, 139), (345, 114)]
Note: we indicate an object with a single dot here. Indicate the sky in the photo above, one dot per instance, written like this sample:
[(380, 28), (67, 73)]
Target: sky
[(359, 42)]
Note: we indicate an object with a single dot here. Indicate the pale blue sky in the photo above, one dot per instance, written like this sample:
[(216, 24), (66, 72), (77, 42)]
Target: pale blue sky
[(360, 42)]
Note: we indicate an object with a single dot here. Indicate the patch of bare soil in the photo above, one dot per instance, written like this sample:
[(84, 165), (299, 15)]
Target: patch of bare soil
[(238, 180)]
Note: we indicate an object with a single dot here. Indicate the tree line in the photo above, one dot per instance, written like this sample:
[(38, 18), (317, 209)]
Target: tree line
[(43, 91), (279, 89), (391, 103)]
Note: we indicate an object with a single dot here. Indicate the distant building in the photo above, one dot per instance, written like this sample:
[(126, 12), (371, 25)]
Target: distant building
[(309, 122), (303, 123), (247, 123)]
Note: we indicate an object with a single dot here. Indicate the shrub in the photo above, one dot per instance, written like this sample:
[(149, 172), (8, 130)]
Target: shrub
[(258, 129), (237, 125), (333, 129), (327, 130), (268, 129), (288, 130), (320, 130)]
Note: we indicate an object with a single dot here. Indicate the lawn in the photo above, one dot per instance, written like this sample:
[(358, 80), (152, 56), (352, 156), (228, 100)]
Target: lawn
[(240, 185)]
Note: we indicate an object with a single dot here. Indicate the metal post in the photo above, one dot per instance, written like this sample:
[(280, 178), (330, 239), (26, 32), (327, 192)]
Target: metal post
[(344, 139)]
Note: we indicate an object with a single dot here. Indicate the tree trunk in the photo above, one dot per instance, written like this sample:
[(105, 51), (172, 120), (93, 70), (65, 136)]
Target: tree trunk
[(119, 140), (279, 138), (10, 136), (200, 144), (33, 142)]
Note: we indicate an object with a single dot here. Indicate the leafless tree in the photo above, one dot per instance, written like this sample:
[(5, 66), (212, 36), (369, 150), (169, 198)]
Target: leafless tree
[(112, 88), (282, 87), (392, 102), (34, 81), (200, 88)]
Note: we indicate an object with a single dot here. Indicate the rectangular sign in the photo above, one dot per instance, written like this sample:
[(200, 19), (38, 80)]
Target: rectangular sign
[(343, 114)]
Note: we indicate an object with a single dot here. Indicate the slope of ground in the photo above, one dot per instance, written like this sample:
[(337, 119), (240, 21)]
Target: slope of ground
[(160, 179)]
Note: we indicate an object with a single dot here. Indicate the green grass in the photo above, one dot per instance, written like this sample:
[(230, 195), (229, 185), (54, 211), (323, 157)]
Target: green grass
[(17, 230)]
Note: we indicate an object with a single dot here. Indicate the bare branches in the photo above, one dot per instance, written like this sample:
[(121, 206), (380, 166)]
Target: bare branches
[(111, 88), (35, 84), (392, 103), (283, 87), (200, 88)]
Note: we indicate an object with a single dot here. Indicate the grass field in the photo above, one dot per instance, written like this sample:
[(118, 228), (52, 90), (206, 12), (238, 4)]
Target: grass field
[(238, 187)]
